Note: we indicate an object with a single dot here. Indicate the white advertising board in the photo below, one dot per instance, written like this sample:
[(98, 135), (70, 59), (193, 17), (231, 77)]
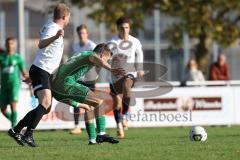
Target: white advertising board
[(183, 106)]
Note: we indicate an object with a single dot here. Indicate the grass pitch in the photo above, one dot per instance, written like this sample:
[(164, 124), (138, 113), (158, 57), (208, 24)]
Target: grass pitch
[(140, 143)]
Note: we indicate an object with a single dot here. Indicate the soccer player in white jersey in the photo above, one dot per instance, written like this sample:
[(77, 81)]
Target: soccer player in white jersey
[(131, 48), (84, 44), (48, 57)]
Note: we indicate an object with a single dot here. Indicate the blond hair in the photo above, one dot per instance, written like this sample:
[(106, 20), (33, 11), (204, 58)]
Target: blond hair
[(60, 11)]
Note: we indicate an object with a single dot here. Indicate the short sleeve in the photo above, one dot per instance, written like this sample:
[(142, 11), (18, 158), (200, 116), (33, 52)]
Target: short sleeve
[(48, 31)]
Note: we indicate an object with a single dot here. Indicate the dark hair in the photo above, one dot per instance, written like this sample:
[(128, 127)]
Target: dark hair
[(82, 26), (189, 63), (9, 39), (122, 20), (60, 11), (100, 48)]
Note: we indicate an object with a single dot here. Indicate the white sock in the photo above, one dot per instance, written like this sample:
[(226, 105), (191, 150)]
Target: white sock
[(93, 140), (101, 133)]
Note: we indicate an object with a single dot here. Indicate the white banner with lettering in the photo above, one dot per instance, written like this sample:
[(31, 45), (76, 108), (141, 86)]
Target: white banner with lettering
[(183, 106)]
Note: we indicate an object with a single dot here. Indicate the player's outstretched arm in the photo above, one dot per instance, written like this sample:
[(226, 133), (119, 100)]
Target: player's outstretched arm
[(101, 63), (45, 42)]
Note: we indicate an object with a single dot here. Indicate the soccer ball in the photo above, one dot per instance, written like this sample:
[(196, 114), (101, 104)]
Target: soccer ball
[(198, 133)]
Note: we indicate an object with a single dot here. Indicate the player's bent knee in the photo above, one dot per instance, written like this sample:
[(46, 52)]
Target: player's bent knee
[(48, 109), (46, 103), (128, 82)]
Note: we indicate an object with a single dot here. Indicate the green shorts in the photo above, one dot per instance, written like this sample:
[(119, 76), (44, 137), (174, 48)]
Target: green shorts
[(72, 93), (9, 95)]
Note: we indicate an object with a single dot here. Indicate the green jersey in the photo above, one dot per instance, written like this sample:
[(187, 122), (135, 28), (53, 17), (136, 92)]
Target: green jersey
[(75, 68), (66, 80), (10, 66)]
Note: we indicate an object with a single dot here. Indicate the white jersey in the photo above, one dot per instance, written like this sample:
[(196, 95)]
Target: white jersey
[(131, 48), (89, 46), (49, 58), (92, 74)]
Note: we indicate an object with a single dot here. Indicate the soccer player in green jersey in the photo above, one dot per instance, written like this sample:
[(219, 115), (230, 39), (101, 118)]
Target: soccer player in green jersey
[(11, 63), (67, 86)]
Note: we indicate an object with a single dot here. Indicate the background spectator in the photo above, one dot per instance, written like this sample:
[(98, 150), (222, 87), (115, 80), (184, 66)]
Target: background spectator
[(220, 69), (192, 72)]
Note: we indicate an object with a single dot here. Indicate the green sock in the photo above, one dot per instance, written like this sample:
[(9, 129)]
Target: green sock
[(101, 125), (14, 118), (90, 127), (8, 116)]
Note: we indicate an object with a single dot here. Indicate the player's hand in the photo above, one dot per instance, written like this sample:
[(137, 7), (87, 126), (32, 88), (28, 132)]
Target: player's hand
[(140, 74), (27, 80), (118, 71), (60, 33)]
